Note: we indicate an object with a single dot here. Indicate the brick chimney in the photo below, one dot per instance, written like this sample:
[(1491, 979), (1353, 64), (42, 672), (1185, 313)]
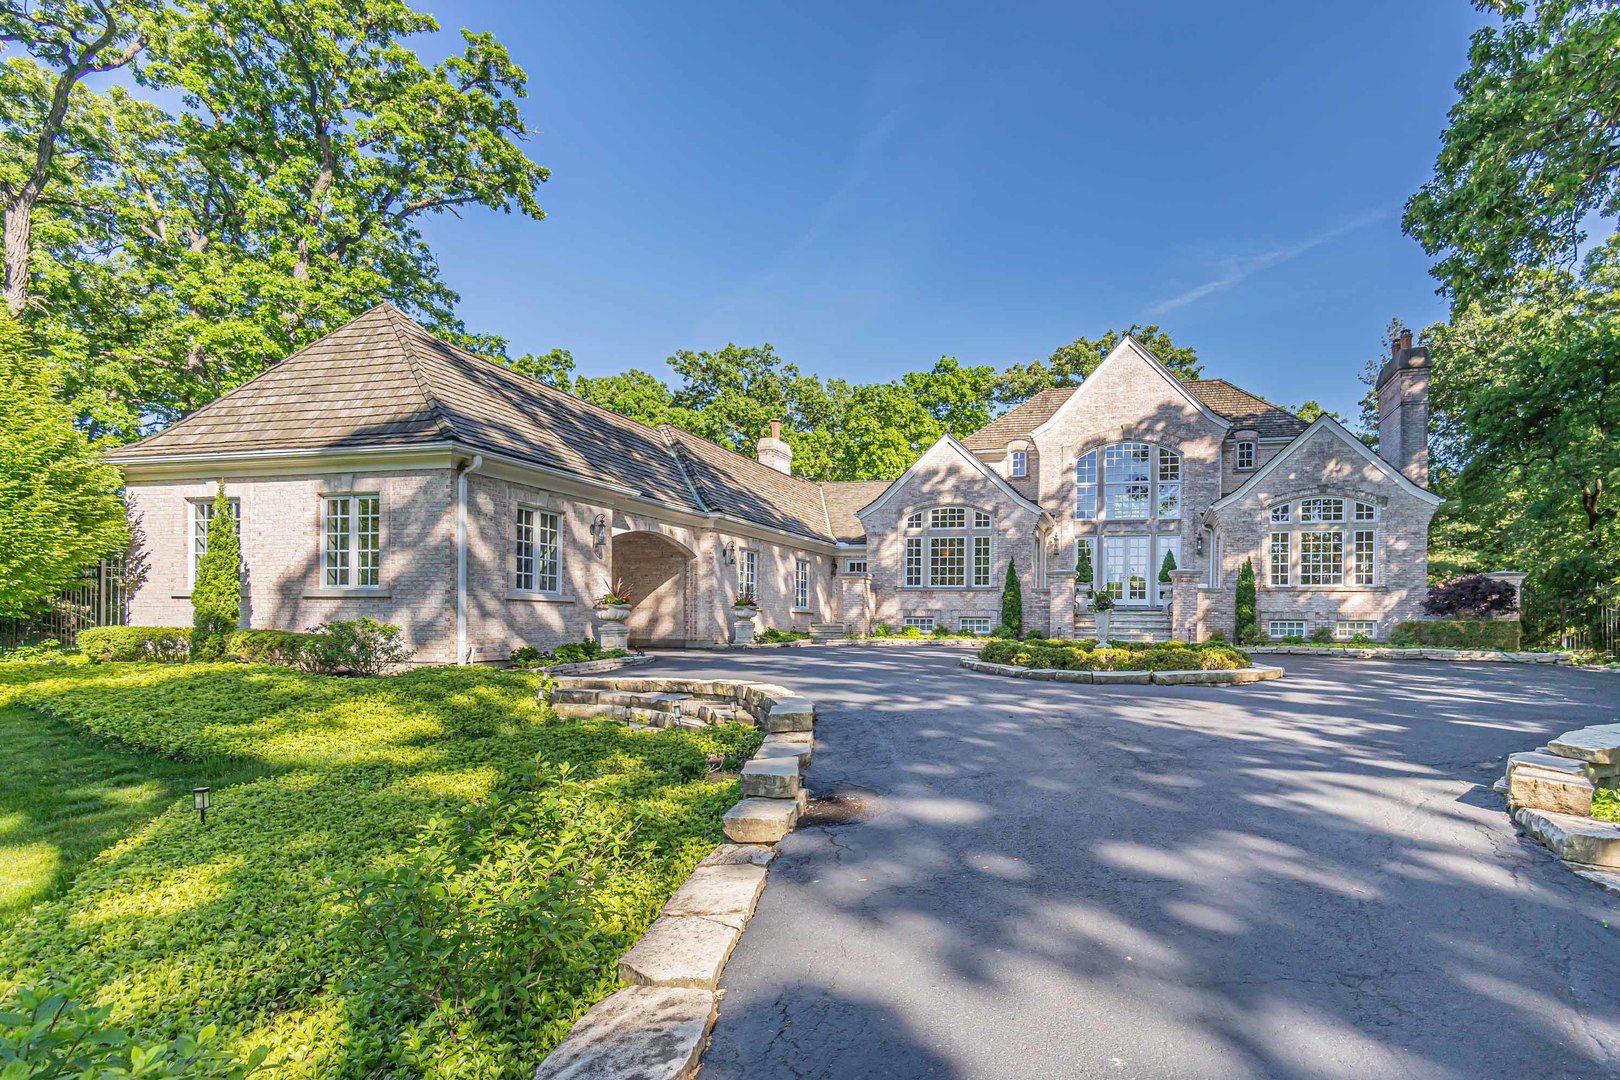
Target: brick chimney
[(1403, 409), (772, 451)]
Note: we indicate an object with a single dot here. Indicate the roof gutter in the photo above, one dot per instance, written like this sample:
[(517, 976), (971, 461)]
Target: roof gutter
[(462, 656)]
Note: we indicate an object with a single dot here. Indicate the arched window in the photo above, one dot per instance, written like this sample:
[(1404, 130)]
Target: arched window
[(1325, 540), (947, 547), (1135, 482)]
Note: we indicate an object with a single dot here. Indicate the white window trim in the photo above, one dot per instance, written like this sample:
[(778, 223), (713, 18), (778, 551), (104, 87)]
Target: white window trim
[(1342, 631), (517, 591), (1155, 464), (1273, 624), (801, 584), (970, 532), (193, 555), (1347, 528), (353, 547), (1254, 455), (1018, 464), (748, 572)]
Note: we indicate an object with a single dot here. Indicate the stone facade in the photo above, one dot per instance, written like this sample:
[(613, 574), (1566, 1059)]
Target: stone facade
[(679, 521)]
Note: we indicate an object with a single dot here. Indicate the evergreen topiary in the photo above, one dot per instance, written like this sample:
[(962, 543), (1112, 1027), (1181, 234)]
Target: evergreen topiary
[(216, 598), (1169, 565), (1248, 626), (1012, 600), (1082, 566)]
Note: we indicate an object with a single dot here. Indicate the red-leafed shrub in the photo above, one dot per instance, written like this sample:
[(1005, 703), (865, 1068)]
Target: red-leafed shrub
[(1473, 596)]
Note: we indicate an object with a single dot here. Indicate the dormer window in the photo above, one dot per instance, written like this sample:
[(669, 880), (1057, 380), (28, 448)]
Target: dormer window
[(1245, 455), (1020, 464)]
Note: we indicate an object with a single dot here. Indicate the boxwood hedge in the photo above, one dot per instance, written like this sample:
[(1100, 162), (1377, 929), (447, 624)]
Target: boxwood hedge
[(238, 921), (1124, 656)]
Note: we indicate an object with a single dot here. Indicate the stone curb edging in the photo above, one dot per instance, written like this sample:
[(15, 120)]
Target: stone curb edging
[(1375, 652), (592, 667), (1231, 677), (657, 1026)]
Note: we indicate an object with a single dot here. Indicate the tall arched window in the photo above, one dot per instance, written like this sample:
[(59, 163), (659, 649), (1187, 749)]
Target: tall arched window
[(1135, 482), (947, 547)]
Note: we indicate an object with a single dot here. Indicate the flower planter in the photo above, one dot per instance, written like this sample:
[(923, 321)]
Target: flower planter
[(613, 633), (742, 625), (1102, 627)]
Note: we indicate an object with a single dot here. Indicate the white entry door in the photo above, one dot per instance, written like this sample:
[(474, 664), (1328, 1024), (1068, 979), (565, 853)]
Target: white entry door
[(1125, 568)]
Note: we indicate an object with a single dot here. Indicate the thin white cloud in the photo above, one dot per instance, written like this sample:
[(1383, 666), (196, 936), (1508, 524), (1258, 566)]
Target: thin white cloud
[(1238, 270)]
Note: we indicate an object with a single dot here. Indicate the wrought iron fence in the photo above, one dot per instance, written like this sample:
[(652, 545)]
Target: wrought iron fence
[(97, 600), (1598, 630)]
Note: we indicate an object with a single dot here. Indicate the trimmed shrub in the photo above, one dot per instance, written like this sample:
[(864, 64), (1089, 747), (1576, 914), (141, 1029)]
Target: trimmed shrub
[(882, 629), (911, 632), (1460, 634), (110, 644), (1168, 565), (525, 656), (1322, 635), (1472, 596), (1082, 567), (1248, 627), (361, 646), (1012, 600), (216, 597), (773, 636), (269, 646), (1123, 656)]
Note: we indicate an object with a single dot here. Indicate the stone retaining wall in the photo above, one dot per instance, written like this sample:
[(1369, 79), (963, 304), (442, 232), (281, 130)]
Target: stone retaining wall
[(594, 667), (657, 1026), (1235, 677), (1549, 792)]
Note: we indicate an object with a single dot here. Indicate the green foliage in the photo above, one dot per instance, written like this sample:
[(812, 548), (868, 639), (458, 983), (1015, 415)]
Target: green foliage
[(360, 646), (237, 922), (1606, 804), (1322, 635), (1401, 638), (882, 629), (59, 504), (773, 636), (1248, 626), (482, 923), (1084, 572), (584, 650), (216, 597), (1085, 656), (1012, 600), (941, 630), (162, 644), (911, 632), (1361, 641), (269, 647), (1460, 634), (1165, 567), (1530, 156), (1071, 363), (525, 656), (48, 1032)]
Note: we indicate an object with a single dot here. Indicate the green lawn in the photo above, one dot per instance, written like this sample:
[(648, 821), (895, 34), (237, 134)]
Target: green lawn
[(174, 925), (64, 798)]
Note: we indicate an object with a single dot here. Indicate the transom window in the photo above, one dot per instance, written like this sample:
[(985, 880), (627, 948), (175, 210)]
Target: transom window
[(202, 514), (855, 566), (353, 541), (1136, 482), (1301, 552), (950, 553), (539, 560)]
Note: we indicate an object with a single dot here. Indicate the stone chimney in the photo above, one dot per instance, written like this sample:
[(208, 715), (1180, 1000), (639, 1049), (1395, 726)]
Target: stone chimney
[(774, 452), (1403, 409)]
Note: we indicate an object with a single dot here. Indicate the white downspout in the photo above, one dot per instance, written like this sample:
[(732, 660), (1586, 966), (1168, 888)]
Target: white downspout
[(461, 557)]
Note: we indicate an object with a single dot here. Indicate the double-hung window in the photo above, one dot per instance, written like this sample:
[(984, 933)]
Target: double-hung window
[(801, 584), (539, 559), (1281, 557), (1169, 485), (202, 515), (1245, 455), (353, 541), (748, 574), (951, 552), (1020, 463), (1085, 486)]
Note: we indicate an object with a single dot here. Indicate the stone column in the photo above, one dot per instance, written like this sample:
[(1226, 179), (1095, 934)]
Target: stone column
[(855, 596), (1060, 586), (1516, 579), (1185, 621)]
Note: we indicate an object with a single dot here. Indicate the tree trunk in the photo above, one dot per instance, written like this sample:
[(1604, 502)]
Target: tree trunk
[(18, 236)]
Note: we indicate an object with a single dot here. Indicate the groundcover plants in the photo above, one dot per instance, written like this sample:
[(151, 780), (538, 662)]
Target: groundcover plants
[(1084, 655), (379, 793)]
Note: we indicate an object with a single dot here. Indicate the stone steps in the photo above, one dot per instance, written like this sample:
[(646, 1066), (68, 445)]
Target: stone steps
[(822, 633), (1126, 625)]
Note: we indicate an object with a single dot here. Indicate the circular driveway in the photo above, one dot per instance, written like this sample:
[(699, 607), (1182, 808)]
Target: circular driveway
[(1302, 878)]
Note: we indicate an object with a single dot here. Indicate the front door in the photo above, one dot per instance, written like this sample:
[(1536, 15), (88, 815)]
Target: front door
[(1126, 568)]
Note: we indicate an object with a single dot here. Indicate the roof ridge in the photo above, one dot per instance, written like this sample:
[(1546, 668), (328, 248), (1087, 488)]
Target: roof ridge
[(441, 421)]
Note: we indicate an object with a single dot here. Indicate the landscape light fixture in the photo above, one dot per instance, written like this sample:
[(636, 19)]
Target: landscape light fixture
[(199, 799), (676, 707)]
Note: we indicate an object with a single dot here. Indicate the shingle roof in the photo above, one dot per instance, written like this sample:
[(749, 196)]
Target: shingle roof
[(1244, 409), (844, 498), (730, 483)]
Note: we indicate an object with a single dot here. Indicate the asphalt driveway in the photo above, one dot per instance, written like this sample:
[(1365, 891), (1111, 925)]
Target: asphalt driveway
[(1303, 878)]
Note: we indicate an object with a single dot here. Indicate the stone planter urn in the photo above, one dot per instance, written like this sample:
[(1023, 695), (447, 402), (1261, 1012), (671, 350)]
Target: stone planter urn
[(613, 633), (1102, 628), (742, 625)]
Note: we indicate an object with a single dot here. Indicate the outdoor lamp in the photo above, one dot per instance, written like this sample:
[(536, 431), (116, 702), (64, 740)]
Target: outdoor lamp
[(199, 798), (599, 531), (677, 708), (729, 552)]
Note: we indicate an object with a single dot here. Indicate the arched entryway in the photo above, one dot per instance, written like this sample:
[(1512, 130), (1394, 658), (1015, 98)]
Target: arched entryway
[(657, 571)]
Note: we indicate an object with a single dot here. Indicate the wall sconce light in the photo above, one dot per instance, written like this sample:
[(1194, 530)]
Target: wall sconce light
[(599, 532), (1200, 543), (728, 554), (1052, 544), (199, 799)]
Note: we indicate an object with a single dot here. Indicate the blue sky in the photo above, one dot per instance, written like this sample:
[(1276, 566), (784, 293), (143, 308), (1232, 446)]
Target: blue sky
[(870, 186)]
